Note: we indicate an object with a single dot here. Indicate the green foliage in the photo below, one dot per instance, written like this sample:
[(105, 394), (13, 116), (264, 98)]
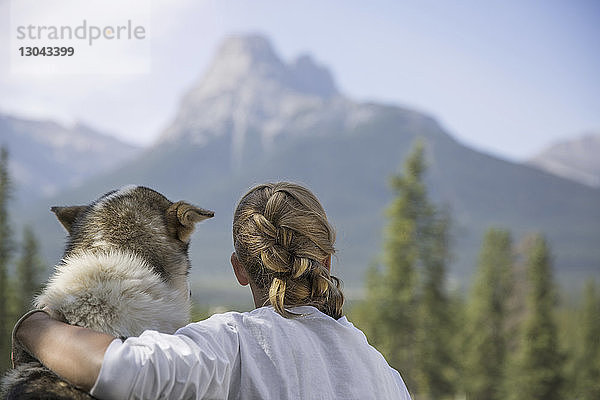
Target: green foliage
[(485, 344), (29, 269), (537, 368), (510, 347), (406, 313), (588, 355), (569, 322), (5, 255), (435, 365), (15, 292)]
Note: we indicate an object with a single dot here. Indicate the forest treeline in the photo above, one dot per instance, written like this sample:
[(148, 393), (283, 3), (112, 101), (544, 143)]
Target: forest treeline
[(511, 336), (19, 284)]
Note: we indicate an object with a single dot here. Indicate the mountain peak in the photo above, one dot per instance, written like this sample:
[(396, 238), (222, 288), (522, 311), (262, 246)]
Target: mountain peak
[(248, 87), (250, 60), (253, 47), (313, 78)]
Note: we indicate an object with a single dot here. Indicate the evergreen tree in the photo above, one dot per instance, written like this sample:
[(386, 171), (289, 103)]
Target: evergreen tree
[(537, 367), (404, 316), (5, 254), (588, 360), (485, 347), (29, 269), (434, 361), (388, 314)]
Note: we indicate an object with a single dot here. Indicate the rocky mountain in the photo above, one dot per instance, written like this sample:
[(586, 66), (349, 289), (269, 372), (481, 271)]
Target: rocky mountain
[(248, 90), (254, 117), (47, 157), (577, 159)]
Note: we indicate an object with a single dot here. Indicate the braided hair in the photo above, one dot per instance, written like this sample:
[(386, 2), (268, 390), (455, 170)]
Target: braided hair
[(282, 238)]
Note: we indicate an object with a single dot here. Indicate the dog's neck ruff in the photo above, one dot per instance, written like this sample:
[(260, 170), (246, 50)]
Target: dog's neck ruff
[(114, 292)]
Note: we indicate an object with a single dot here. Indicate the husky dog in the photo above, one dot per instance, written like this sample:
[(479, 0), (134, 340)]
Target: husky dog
[(125, 270)]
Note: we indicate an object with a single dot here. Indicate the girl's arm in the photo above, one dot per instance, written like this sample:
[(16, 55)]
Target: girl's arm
[(197, 362), (73, 352)]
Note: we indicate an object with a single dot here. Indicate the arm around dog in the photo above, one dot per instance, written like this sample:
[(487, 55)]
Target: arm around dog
[(196, 362), (73, 352)]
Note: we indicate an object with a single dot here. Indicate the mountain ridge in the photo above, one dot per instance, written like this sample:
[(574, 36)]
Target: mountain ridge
[(576, 159), (46, 156), (261, 130)]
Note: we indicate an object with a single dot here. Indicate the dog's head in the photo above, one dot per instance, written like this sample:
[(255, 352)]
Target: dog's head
[(136, 220)]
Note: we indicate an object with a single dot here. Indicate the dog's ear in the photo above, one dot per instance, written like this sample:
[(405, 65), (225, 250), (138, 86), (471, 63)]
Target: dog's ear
[(66, 215), (181, 218)]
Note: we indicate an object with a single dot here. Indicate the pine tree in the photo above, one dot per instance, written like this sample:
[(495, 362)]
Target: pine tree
[(388, 315), (537, 367), (588, 360), (406, 311), (29, 268), (5, 254), (434, 360), (486, 347)]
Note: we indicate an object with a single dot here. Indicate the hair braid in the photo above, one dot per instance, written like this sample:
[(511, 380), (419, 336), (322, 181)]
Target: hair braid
[(282, 237)]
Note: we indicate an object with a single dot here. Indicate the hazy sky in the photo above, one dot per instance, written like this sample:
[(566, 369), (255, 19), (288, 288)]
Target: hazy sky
[(507, 77)]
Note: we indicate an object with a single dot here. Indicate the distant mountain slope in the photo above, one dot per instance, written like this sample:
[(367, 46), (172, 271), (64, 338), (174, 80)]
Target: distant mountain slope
[(46, 157), (265, 123), (248, 90), (577, 159)]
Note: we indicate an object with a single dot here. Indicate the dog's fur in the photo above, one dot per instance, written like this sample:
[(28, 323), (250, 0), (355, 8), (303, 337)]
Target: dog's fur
[(125, 270)]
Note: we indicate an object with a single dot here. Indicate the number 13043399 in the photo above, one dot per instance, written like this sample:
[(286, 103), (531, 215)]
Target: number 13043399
[(46, 51)]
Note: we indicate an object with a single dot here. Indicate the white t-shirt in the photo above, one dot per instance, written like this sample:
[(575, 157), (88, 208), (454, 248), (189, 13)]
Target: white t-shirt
[(253, 355)]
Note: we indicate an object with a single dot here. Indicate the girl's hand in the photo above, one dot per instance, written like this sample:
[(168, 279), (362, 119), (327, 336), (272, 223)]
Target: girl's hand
[(73, 352), (19, 354)]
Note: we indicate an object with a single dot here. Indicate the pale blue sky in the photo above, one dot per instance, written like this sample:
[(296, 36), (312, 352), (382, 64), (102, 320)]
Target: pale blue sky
[(506, 77)]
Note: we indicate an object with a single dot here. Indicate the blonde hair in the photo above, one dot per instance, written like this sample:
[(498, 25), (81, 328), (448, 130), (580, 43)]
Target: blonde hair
[(282, 238)]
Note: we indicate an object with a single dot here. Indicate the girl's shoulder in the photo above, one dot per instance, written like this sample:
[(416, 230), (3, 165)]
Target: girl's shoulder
[(235, 323)]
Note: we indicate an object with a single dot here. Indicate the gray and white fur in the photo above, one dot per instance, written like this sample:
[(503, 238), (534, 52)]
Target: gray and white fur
[(125, 270)]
